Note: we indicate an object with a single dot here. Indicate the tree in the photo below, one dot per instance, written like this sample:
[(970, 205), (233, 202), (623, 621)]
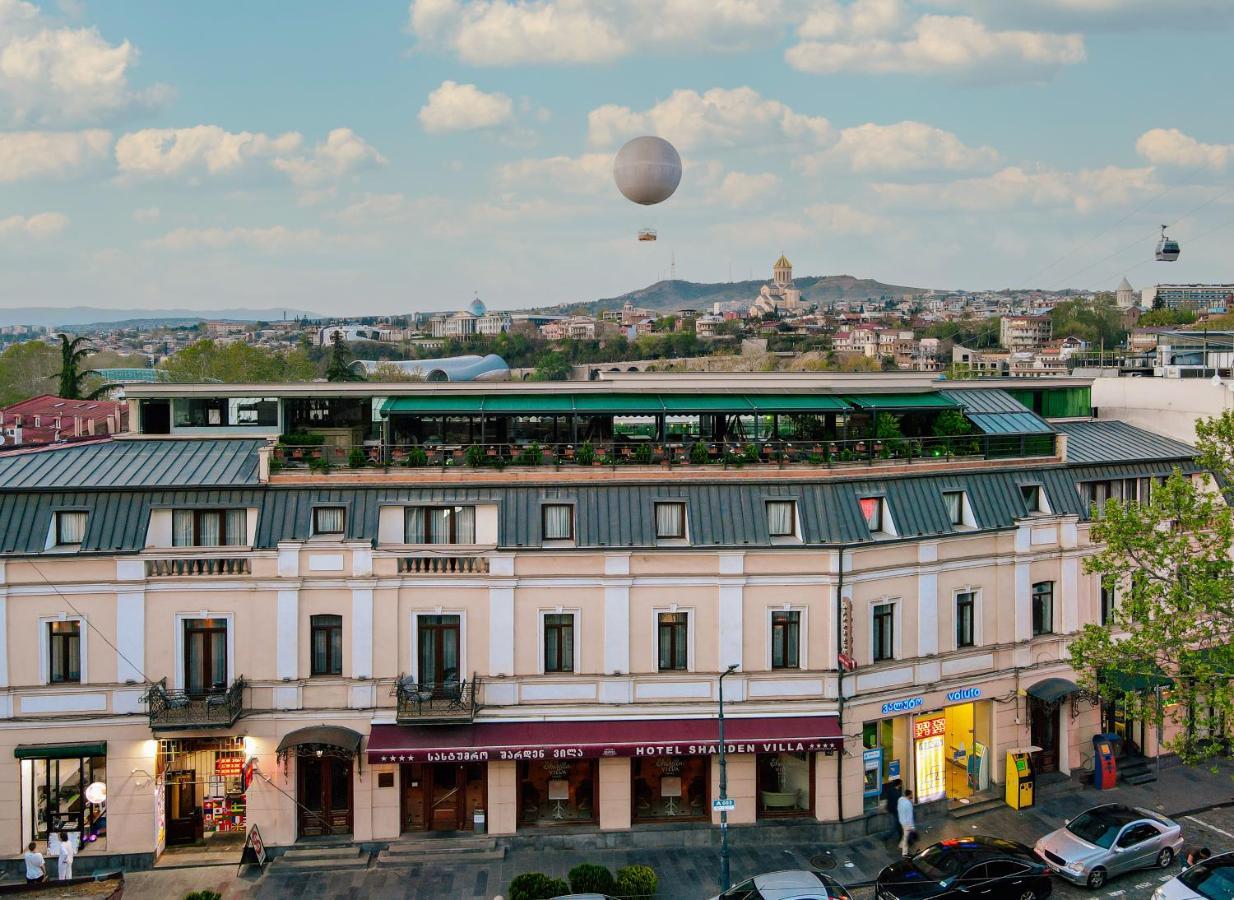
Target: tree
[(1098, 322), (387, 372), (237, 362), (27, 370), (1158, 318), (72, 375), (340, 366), (1168, 560), (551, 366)]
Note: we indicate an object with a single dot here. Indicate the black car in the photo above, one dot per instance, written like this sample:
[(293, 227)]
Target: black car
[(965, 868)]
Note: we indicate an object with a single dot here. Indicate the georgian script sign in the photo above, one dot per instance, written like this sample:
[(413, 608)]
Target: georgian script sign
[(595, 751)]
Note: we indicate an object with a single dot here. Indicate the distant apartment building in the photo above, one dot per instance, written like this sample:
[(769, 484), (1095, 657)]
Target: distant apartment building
[(575, 328), (48, 419), (981, 362), (1023, 332), (705, 326), (1209, 298)]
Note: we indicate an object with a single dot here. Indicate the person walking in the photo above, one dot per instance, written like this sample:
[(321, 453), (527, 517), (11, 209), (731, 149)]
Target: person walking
[(36, 866), (891, 797), (904, 813), (67, 854)]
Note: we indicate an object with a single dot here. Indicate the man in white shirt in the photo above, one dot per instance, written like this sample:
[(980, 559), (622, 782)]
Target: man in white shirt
[(36, 869), (67, 853), (904, 812)]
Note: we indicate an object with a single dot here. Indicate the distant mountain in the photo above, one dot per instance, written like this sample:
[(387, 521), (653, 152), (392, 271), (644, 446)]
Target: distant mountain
[(667, 296), (81, 316)]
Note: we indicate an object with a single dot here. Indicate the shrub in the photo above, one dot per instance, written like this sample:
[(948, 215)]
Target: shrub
[(319, 464), (589, 878), (531, 455), (303, 439), (474, 456), (586, 454), (536, 886), (636, 883), (750, 452), (356, 458), (416, 457), (204, 895), (276, 465), (699, 455), (642, 456)]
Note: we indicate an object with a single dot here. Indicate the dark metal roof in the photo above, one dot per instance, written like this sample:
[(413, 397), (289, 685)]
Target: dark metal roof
[(996, 412), (143, 463), (1111, 441)]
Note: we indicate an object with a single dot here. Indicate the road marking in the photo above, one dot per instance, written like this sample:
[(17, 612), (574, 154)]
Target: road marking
[(1210, 827)]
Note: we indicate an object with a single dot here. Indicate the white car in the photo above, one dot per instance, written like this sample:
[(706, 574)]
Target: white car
[(1212, 879), (790, 884)]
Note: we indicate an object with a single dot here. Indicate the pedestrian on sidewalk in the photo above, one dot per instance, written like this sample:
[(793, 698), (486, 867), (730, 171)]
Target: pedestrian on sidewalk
[(904, 813), (67, 854), (36, 866), (891, 797)]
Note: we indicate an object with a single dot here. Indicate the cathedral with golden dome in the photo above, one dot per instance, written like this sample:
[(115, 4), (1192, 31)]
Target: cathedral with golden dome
[(778, 295)]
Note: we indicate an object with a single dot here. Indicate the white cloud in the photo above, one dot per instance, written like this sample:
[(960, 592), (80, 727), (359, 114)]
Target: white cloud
[(590, 173), (744, 189), (508, 32), (1015, 187), (37, 226), (50, 73), (720, 116), (273, 240), (959, 46), (1171, 147), (861, 18), (147, 214), (33, 154), (831, 219), (375, 209), (1101, 15), (464, 107), (902, 147), (341, 153)]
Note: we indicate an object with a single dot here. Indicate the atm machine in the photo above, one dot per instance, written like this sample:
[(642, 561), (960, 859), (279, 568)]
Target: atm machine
[(872, 786), (1105, 769), (1021, 779)]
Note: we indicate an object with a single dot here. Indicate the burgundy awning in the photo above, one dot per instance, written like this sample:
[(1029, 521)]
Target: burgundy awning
[(589, 740)]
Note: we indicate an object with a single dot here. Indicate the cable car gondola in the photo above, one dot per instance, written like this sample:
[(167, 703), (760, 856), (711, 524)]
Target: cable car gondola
[(1167, 248)]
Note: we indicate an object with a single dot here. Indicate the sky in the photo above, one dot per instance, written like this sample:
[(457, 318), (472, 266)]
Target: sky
[(391, 157)]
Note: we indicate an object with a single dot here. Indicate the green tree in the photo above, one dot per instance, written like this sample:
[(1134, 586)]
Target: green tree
[(1099, 322), (340, 368), (1168, 559), (72, 376), (237, 362), (1161, 318), (27, 370), (551, 366)]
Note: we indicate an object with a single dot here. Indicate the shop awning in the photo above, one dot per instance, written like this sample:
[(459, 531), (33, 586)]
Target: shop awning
[(1051, 690), (329, 735), (900, 401), (1142, 682), (591, 740), (60, 751)]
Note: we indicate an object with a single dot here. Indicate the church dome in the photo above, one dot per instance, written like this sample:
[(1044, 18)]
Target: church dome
[(477, 308), (782, 263)]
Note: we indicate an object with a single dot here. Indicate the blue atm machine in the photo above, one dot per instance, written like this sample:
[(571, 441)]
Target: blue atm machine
[(1105, 769)]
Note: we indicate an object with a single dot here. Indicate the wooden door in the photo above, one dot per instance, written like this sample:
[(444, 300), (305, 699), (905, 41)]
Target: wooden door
[(1043, 733), (325, 796), (446, 798)]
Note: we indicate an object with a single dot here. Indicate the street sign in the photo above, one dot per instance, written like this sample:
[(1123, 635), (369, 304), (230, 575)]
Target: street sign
[(726, 805)]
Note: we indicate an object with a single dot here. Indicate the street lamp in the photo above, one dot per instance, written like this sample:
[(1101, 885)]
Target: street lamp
[(724, 876)]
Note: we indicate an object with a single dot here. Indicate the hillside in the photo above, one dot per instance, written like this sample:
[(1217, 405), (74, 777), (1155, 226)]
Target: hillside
[(79, 316), (666, 296)]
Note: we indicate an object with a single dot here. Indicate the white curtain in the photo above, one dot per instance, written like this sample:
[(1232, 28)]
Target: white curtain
[(954, 506), (557, 522), (237, 527), (71, 527), (670, 520), (779, 518), (464, 524), (413, 525), (439, 526), (182, 528), (329, 519), (209, 528)]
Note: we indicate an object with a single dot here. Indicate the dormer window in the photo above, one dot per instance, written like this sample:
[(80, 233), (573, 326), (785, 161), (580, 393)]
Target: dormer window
[(328, 521), (877, 515), (959, 512), (70, 528), (209, 527), (439, 525), (1035, 501), (781, 518), (670, 521)]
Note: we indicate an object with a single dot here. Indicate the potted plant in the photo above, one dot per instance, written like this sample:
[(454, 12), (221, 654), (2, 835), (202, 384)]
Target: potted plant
[(586, 455)]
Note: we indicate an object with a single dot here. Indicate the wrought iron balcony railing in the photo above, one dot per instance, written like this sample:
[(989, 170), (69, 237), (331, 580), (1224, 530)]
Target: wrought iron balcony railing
[(218, 708), (436, 701)]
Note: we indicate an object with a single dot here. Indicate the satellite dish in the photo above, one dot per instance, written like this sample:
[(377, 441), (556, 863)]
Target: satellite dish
[(647, 170)]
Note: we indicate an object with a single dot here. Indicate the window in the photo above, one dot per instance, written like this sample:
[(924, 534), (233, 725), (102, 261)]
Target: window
[(439, 525), (54, 801), (558, 522), (670, 520), (785, 639), (439, 647), (781, 518), (1034, 499), (1043, 608), (674, 632), (219, 412), (965, 619), (328, 520), (326, 643), (1137, 834), (64, 651), (1109, 597), (209, 527), (954, 501), (559, 642), (70, 527), (872, 512), (205, 656), (884, 631)]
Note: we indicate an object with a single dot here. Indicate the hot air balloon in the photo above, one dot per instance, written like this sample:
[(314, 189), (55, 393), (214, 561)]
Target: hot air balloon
[(647, 171)]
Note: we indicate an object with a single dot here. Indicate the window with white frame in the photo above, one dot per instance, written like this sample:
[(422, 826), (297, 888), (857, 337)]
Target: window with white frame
[(877, 515), (1043, 608), (883, 623), (64, 651), (328, 520), (209, 527), (70, 527), (781, 518), (559, 642), (785, 639), (670, 521), (557, 521), (439, 525), (965, 619)]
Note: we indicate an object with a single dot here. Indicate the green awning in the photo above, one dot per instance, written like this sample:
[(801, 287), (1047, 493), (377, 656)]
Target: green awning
[(799, 403), (1141, 682), (529, 404), (618, 404), (736, 404), (435, 405), (60, 751), (900, 401)]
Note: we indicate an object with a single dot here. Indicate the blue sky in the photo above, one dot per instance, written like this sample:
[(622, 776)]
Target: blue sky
[(385, 157)]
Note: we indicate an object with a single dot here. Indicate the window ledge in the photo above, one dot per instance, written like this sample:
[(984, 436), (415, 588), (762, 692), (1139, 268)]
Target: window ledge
[(551, 544), (672, 542), (785, 540)]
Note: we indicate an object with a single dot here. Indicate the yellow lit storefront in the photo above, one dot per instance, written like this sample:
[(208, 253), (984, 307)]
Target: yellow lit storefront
[(951, 750)]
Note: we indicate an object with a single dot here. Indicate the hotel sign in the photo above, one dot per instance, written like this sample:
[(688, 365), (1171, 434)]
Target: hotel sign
[(826, 745)]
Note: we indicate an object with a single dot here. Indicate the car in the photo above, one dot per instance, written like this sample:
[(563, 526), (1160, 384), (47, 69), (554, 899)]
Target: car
[(1109, 840), (1212, 879), (967, 867), (789, 884)]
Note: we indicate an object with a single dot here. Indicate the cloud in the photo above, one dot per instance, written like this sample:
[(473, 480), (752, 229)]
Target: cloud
[(274, 240), (147, 214), (902, 147), (590, 173), (1018, 188), (1101, 15), (375, 209), (511, 32), (720, 116), (38, 226), (35, 154), (743, 189), (1171, 147), (341, 153), (958, 46), (50, 73), (464, 107), (831, 219)]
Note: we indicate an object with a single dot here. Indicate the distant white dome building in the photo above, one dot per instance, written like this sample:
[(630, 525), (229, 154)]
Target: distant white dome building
[(475, 319), (1124, 296)]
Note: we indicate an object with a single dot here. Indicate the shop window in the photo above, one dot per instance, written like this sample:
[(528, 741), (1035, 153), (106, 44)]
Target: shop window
[(57, 798), (558, 792), (559, 642), (1109, 599), (439, 525), (204, 792), (328, 520), (785, 784), (558, 521), (438, 643), (670, 788), (205, 656), (781, 518), (70, 528), (884, 631), (209, 527), (1043, 608), (326, 640), (674, 631), (785, 639), (965, 619), (670, 521), (64, 651)]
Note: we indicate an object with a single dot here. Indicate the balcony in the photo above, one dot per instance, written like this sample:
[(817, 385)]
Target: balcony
[(173, 710), (441, 702), (198, 566), (443, 565)]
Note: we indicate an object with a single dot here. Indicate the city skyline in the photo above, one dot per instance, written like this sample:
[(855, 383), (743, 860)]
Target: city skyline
[(402, 158)]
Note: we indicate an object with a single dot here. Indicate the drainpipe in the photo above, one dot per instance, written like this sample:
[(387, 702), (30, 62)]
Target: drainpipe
[(840, 687)]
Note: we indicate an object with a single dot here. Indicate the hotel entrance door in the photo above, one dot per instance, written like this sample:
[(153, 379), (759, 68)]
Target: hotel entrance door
[(441, 796)]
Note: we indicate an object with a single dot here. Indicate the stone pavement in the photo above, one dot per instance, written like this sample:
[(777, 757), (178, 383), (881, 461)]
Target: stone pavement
[(693, 873)]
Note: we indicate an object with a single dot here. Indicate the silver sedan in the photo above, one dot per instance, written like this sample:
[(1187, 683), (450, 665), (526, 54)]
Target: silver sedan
[(1109, 840)]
